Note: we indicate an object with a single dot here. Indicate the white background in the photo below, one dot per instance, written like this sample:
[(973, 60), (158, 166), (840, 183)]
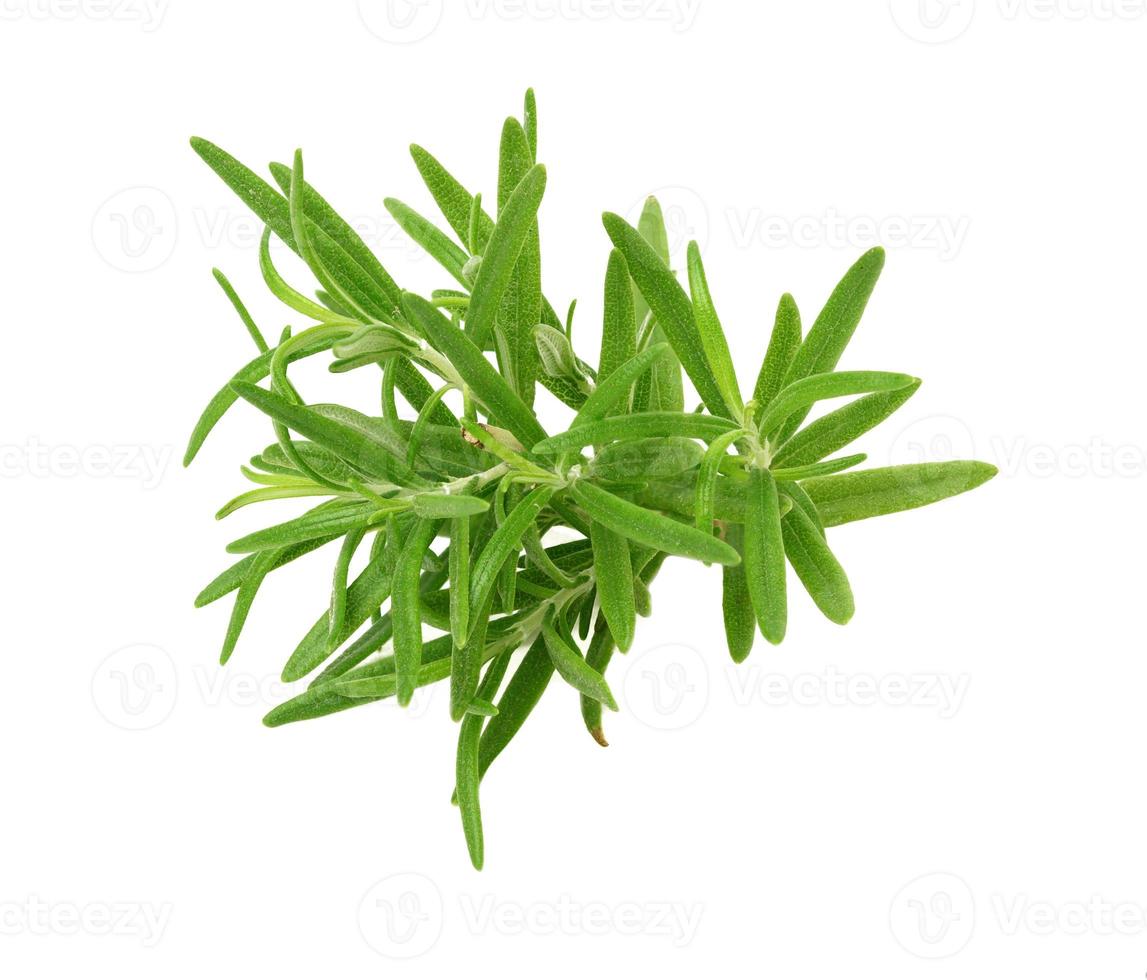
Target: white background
[(780, 819)]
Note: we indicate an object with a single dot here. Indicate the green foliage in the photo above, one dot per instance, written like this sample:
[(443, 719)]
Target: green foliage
[(465, 533)]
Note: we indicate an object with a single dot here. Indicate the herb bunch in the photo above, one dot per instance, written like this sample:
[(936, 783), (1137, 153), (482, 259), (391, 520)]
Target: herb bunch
[(497, 535)]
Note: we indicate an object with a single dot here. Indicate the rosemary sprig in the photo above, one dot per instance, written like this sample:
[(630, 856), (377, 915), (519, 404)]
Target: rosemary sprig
[(460, 515)]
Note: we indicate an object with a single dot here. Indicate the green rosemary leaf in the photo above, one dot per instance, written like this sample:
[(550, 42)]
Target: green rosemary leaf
[(765, 555), (816, 566), (825, 468), (318, 210), (649, 528), (613, 576), (618, 385), (237, 303), (232, 577), (337, 618), (646, 459), (555, 353), (710, 468), (346, 442), (425, 413), (670, 305), (263, 562), (515, 222), (522, 693), (405, 603), (566, 391), (269, 206), (467, 774), (540, 558), (736, 601), (250, 373), (521, 304), (713, 341), (282, 291), (459, 572), (797, 496), (447, 505), (530, 122), (321, 460), (436, 244), (268, 493), (838, 428), (619, 321), (571, 665), (784, 342), (417, 391), (680, 497), (872, 493), (598, 656), (364, 596), (641, 426), (453, 200), (796, 397), (486, 384), (661, 390), (319, 522), (502, 544), (466, 661), (833, 328), (338, 277)]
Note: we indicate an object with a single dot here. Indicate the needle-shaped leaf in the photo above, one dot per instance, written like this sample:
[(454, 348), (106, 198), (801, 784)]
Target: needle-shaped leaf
[(619, 321), (713, 341), (405, 604), (571, 665), (784, 342), (796, 495), (466, 662), (515, 222), (737, 602), (339, 585), (447, 505), (817, 568), (262, 563), (518, 700), (530, 122), (796, 397), (467, 774), (485, 383), (598, 656), (872, 493), (650, 528), (641, 426), (765, 555), (317, 209), (646, 459), (613, 573), (707, 479), (670, 305), (834, 327), (838, 428), (250, 373), (268, 204), (232, 577), (617, 386), (504, 542), (521, 304), (824, 468), (269, 493), (285, 293), (453, 200), (661, 390), (459, 572), (237, 303), (436, 243), (344, 440), (322, 521)]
